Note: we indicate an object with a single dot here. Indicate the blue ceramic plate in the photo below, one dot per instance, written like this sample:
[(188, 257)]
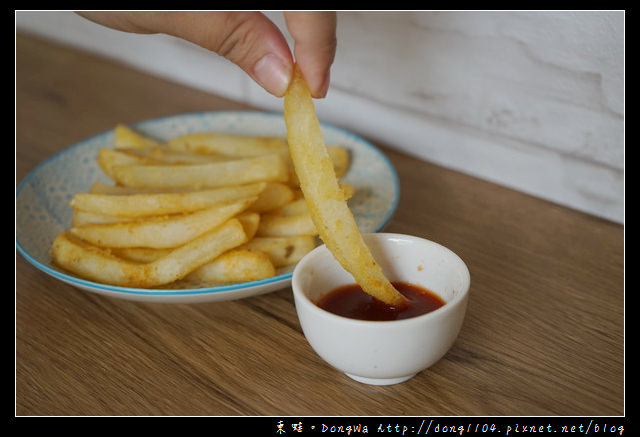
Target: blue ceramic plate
[(42, 198)]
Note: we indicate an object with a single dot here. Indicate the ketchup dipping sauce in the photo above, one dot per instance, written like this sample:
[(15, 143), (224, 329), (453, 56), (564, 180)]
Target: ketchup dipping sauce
[(351, 301)]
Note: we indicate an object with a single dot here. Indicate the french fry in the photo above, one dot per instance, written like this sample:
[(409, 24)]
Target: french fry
[(103, 188), (227, 144), (250, 221), (154, 204), (139, 254), (274, 196), (236, 265), (340, 158), (348, 190), (267, 168), (164, 155), (327, 205), (283, 251), (295, 207), (125, 138), (82, 218), (110, 158), (277, 225), (99, 264), (161, 232)]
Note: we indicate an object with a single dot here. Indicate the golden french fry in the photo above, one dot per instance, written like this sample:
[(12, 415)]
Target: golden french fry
[(236, 265), (348, 190), (227, 144), (340, 158), (161, 232), (127, 138), (275, 195), (283, 251), (276, 225), (82, 218), (109, 158), (327, 205), (100, 265), (102, 188), (139, 254), (153, 204), (164, 155), (266, 168), (295, 207), (250, 220)]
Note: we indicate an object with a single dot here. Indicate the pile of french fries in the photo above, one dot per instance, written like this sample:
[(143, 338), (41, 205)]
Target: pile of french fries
[(203, 208)]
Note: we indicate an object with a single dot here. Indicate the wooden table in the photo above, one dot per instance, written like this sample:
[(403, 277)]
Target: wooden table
[(543, 336)]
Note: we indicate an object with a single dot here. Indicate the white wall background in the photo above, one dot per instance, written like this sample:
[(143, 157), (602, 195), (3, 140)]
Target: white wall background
[(530, 100)]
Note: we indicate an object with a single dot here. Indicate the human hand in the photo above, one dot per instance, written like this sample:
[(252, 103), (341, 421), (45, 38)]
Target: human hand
[(248, 39)]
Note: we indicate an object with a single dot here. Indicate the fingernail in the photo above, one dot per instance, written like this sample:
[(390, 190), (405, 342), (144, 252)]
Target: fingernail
[(273, 74), (324, 86)]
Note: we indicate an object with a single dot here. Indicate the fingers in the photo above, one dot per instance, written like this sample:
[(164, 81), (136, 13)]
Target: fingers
[(248, 39), (314, 36)]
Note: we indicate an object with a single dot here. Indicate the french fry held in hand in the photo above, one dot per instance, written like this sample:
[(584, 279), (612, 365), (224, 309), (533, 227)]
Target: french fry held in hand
[(327, 206)]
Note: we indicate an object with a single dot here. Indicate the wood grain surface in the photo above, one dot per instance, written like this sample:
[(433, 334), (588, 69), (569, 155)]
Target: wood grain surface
[(544, 332)]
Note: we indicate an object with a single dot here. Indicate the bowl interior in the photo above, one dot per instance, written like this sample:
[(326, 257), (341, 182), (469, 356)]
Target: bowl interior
[(402, 258)]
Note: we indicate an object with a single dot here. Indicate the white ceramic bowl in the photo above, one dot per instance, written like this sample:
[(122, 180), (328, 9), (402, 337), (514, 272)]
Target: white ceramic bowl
[(387, 352)]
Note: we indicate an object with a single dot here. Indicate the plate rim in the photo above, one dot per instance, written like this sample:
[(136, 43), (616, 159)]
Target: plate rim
[(244, 286)]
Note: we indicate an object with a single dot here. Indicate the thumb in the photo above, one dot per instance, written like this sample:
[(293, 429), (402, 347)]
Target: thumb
[(314, 38)]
